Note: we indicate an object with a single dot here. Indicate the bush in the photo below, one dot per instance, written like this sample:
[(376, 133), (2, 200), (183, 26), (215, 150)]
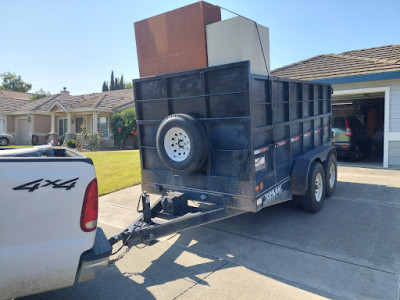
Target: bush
[(91, 140), (60, 140), (123, 126), (71, 143)]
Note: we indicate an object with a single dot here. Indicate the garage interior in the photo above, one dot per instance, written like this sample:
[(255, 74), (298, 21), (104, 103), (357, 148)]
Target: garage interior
[(368, 108)]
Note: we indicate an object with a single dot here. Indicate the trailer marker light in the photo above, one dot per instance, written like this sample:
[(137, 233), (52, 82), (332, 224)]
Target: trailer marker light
[(261, 186), (257, 188), (307, 134)]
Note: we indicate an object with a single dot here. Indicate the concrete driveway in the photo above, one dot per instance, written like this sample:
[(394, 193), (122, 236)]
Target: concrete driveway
[(350, 249)]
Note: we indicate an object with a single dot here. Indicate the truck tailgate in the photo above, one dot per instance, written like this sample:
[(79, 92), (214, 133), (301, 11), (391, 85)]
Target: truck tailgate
[(41, 241)]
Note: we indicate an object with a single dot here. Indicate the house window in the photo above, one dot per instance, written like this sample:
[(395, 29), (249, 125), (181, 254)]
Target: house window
[(62, 126), (78, 124), (102, 126)]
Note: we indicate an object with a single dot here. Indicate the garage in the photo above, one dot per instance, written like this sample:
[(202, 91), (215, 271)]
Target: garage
[(366, 114)]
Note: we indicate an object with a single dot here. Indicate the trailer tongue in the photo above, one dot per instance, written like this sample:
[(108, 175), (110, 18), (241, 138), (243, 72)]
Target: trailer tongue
[(155, 223)]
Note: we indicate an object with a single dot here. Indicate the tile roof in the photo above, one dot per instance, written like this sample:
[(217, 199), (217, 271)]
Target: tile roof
[(11, 101), (350, 63), (14, 95), (108, 100)]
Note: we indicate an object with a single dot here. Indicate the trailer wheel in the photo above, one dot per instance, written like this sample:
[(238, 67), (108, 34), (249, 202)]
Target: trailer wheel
[(182, 143), (330, 167), (314, 198)]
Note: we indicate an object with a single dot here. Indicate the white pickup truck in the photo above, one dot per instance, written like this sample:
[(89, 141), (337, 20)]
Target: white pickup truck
[(48, 221)]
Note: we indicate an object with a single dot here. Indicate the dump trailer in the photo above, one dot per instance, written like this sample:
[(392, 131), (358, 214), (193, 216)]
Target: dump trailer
[(219, 141)]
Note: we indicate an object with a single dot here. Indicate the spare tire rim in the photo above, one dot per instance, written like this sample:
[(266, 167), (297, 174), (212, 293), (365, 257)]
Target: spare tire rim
[(318, 187), (177, 144), (332, 175)]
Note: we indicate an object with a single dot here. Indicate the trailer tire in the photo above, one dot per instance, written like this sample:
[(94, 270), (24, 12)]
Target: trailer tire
[(330, 167), (182, 143), (314, 197)]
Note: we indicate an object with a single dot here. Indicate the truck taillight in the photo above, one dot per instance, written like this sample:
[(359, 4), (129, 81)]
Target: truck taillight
[(348, 129), (90, 207)]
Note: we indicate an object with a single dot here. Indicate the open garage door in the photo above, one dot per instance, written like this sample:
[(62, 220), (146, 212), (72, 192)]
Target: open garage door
[(359, 126)]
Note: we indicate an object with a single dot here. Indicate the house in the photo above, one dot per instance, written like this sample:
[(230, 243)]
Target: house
[(365, 83), (35, 121)]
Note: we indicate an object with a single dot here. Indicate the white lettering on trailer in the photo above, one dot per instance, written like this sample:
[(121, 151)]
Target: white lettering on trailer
[(273, 194), (270, 196)]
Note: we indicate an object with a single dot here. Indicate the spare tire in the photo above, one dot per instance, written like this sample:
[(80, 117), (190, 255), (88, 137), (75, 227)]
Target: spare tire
[(182, 143)]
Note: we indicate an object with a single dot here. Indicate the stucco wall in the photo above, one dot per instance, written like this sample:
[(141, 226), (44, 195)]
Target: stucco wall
[(42, 124), (107, 144), (10, 124)]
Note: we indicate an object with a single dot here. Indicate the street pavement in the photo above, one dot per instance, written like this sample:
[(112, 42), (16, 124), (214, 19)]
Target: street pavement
[(349, 250)]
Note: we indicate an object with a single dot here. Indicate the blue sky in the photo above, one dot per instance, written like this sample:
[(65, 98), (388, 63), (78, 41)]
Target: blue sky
[(76, 43)]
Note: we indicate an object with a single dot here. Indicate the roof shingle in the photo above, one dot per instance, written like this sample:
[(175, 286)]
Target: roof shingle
[(110, 100), (11, 101), (350, 63)]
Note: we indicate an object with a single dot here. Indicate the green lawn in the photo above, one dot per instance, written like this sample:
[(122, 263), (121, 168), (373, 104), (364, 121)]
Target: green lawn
[(116, 169), (16, 146)]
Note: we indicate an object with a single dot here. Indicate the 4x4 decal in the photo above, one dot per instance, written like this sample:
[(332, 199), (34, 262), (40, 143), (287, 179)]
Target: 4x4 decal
[(56, 184)]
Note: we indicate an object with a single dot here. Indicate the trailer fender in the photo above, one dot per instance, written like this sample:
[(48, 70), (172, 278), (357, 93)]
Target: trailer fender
[(301, 167)]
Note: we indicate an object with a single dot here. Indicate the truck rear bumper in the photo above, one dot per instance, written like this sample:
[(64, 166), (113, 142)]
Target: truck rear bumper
[(95, 259)]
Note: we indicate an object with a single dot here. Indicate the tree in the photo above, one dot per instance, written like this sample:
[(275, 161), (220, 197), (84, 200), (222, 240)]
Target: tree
[(123, 125), (128, 85), (13, 82), (116, 84), (121, 83), (105, 87), (40, 94), (112, 87)]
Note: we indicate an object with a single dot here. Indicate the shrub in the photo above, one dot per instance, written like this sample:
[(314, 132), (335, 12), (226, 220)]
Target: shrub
[(71, 143), (123, 126), (60, 140), (91, 140)]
